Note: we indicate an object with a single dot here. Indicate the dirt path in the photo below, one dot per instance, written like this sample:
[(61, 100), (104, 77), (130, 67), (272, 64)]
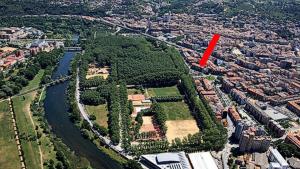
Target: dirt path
[(27, 110)]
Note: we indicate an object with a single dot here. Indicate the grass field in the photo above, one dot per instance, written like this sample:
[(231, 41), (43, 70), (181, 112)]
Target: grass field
[(164, 91), (100, 112), (26, 124), (27, 129), (9, 157), (176, 110), (35, 82), (134, 91)]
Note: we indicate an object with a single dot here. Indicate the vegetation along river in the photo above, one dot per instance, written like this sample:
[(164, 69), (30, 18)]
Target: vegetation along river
[(56, 111)]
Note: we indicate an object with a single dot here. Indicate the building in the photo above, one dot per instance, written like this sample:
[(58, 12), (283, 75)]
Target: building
[(173, 160), (294, 106), (276, 127), (276, 157), (139, 103), (39, 43), (240, 127), (266, 115), (202, 160), (254, 140), (234, 115), (294, 138), (294, 163), (274, 166), (238, 96), (227, 85)]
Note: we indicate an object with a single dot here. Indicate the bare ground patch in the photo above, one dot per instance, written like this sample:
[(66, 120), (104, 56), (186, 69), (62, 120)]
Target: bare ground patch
[(180, 128)]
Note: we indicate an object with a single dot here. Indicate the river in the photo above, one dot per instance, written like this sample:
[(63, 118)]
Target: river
[(56, 112)]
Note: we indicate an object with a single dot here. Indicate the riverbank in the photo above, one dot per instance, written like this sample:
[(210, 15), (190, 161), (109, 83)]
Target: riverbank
[(59, 121)]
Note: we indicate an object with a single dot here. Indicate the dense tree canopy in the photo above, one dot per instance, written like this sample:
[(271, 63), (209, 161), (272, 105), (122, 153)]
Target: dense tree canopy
[(136, 60)]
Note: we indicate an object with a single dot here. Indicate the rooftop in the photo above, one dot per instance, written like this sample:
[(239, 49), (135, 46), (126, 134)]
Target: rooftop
[(175, 160), (202, 160), (278, 157)]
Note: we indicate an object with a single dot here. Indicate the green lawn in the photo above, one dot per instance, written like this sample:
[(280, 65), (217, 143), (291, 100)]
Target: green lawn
[(9, 157), (164, 91), (100, 112), (35, 82), (27, 130), (176, 110), (134, 91)]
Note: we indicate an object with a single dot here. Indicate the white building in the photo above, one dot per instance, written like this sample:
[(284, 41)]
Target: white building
[(176, 160), (276, 157), (202, 160)]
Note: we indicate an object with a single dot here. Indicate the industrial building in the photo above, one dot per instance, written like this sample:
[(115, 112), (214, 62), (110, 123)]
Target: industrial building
[(179, 160), (202, 160), (175, 160)]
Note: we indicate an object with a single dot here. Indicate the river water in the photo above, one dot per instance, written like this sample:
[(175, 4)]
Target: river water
[(56, 112)]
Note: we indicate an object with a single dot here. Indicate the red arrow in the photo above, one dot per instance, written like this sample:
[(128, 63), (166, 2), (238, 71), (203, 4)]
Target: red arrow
[(209, 50)]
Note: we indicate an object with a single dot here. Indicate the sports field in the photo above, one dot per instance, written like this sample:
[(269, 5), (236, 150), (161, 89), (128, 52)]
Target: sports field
[(9, 157), (176, 110), (163, 91), (180, 128)]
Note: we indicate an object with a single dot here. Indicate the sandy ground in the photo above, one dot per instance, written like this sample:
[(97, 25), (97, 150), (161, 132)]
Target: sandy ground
[(7, 49), (95, 75), (180, 128), (93, 71), (147, 124)]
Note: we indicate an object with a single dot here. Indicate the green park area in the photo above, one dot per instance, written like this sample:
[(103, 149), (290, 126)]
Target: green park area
[(176, 110), (163, 91), (9, 157), (35, 82), (26, 123), (26, 129), (100, 112)]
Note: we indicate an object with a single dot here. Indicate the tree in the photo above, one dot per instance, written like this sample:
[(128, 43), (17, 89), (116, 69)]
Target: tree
[(102, 130), (85, 124), (59, 165), (132, 164), (92, 117)]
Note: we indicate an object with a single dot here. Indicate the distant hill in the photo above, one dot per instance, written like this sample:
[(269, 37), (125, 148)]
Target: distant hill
[(275, 10)]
